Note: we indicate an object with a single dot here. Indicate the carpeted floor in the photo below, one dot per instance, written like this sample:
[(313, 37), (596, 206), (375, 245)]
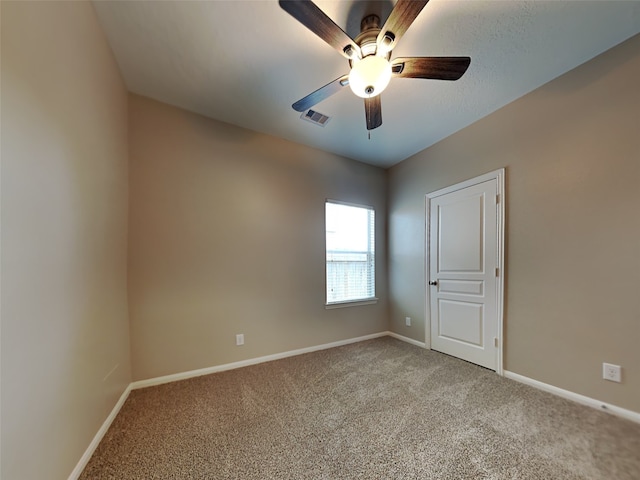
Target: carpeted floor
[(380, 409)]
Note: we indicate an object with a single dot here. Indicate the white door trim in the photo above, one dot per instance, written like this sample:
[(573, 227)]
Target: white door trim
[(497, 175)]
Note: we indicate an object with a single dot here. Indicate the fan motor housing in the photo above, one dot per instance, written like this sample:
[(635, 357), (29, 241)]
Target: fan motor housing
[(366, 39)]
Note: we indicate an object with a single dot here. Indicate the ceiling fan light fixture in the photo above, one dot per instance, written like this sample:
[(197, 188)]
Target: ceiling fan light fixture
[(370, 76), (350, 52), (386, 44)]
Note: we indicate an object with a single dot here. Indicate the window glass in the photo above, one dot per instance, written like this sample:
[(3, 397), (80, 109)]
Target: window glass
[(350, 248)]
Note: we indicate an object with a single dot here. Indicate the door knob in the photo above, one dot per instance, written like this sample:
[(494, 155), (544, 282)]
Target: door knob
[(435, 282)]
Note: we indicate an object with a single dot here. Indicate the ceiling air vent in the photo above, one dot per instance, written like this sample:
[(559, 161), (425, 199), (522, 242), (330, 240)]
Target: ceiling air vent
[(315, 117)]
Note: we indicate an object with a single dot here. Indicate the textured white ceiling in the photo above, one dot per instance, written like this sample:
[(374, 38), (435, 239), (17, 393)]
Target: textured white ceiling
[(246, 62)]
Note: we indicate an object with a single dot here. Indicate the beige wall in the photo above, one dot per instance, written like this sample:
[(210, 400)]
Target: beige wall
[(572, 155), (64, 210), (227, 236)]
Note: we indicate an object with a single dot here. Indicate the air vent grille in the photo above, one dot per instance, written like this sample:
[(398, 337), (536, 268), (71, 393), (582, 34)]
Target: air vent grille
[(315, 117)]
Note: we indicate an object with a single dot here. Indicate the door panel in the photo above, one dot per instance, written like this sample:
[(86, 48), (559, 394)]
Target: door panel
[(460, 245), (463, 243), (460, 321), (470, 287)]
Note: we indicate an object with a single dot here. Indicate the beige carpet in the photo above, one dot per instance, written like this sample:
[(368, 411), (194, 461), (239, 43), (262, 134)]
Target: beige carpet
[(380, 409)]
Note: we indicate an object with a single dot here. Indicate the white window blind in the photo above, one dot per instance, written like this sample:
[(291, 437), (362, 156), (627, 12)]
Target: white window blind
[(350, 246)]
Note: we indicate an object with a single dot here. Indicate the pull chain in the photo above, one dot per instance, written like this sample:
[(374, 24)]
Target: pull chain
[(368, 118)]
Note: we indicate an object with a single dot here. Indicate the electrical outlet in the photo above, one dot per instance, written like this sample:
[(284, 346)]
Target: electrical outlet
[(407, 321), (611, 372), (240, 339)]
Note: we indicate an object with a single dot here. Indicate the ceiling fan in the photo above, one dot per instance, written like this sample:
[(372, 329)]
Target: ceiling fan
[(369, 55)]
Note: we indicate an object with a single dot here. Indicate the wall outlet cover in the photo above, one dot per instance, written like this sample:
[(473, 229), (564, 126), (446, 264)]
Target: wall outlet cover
[(612, 372)]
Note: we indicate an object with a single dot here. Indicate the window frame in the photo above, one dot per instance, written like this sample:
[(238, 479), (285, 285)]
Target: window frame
[(356, 301)]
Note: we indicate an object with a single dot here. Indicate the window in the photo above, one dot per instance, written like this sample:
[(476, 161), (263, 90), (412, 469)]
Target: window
[(350, 249)]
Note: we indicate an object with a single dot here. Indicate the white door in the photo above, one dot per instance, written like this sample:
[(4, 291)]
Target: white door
[(463, 272)]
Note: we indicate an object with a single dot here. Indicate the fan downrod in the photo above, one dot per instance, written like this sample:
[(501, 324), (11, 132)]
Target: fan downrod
[(366, 39)]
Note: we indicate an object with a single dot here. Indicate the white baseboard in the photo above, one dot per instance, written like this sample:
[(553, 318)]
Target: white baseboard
[(245, 363), (407, 339), (576, 397), (98, 437)]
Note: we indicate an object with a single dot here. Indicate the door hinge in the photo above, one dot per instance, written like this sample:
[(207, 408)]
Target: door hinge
[(497, 272), (495, 342), (497, 199)]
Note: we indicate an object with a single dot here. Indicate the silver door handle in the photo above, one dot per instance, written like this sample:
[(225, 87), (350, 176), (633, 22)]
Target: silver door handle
[(435, 282)]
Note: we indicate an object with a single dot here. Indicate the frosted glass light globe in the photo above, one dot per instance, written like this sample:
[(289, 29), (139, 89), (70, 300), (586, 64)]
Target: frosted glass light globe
[(370, 76)]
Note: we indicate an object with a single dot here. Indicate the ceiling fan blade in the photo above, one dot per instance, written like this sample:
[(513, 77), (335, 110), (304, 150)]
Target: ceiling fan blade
[(373, 112), (400, 19), (436, 68), (310, 15), (321, 94)]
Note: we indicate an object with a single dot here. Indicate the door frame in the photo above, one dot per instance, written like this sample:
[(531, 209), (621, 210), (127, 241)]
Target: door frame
[(499, 176)]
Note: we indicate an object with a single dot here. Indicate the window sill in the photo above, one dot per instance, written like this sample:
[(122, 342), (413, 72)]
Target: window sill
[(351, 303)]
